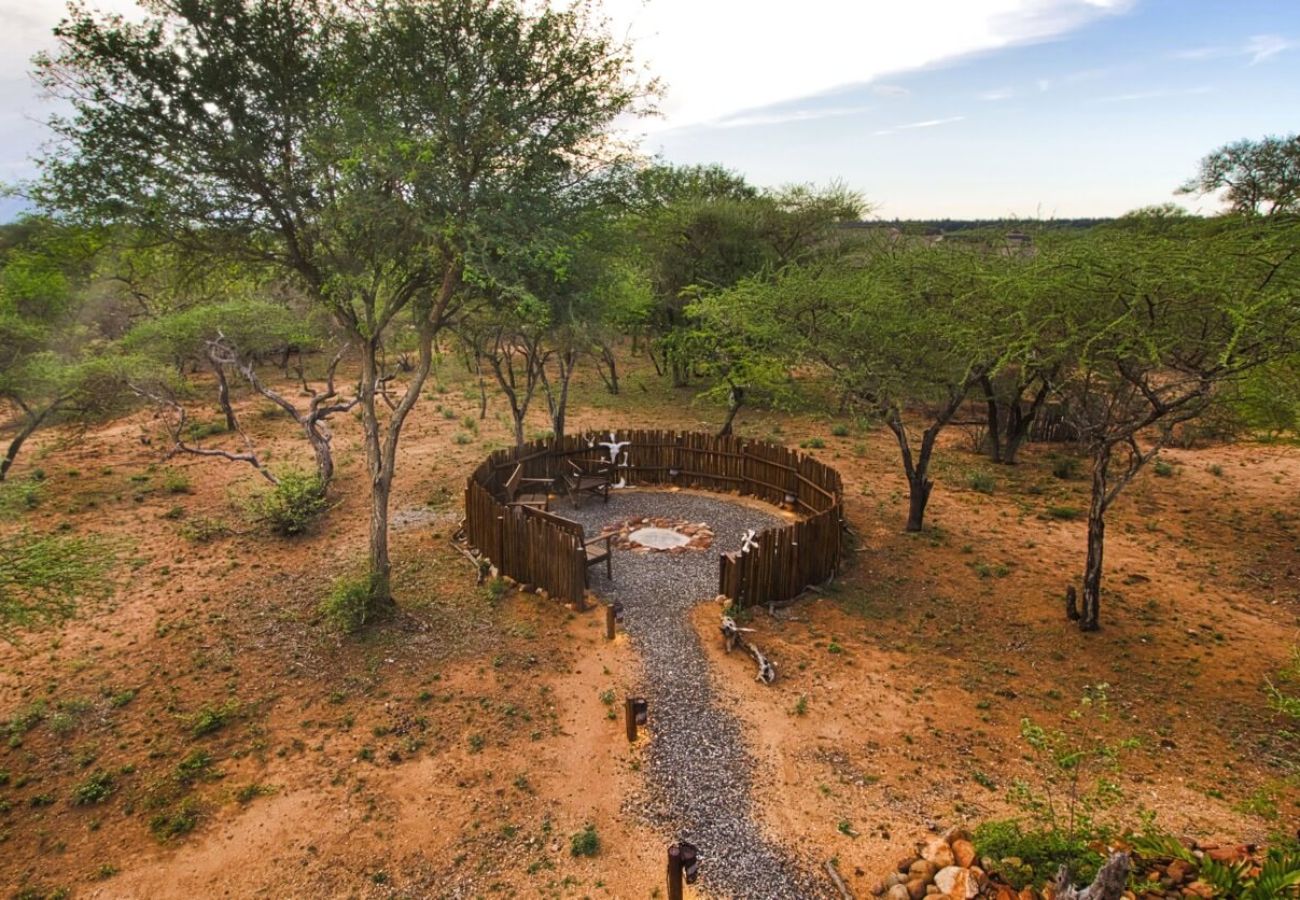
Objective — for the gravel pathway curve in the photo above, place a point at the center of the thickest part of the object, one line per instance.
(698, 770)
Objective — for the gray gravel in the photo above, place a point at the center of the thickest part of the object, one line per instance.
(697, 766)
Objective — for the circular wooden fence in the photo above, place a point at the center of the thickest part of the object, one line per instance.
(777, 565)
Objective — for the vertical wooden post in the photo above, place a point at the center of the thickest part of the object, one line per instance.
(629, 713)
(674, 872)
(609, 621)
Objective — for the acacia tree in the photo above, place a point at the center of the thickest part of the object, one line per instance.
(892, 327)
(47, 366)
(1255, 177)
(231, 336)
(372, 149)
(1164, 320)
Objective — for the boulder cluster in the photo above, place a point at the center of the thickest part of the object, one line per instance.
(947, 868)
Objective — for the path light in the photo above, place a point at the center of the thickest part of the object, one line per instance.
(673, 473)
(636, 712)
(789, 499)
(683, 860)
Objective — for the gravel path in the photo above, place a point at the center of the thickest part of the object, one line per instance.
(698, 770)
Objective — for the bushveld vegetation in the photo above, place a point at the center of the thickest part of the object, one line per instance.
(268, 214)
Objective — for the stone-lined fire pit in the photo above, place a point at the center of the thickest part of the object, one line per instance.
(652, 534)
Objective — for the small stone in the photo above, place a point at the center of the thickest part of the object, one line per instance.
(1005, 893)
(905, 863)
(957, 883)
(939, 853)
(1027, 893)
(1199, 888)
(893, 879)
(964, 852)
(878, 888)
(916, 888)
(922, 868)
(898, 892)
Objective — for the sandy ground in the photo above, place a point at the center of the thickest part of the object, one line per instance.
(455, 749)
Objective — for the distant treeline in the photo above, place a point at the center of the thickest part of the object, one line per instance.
(936, 226)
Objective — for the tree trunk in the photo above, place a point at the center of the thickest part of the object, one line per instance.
(1022, 421)
(917, 470)
(33, 421)
(607, 363)
(735, 400)
(1090, 614)
(223, 394)
(320, 447)
(994, 436)
(381, 567)
(919, 488)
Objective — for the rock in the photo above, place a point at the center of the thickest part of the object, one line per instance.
(957, 834)
(957, 883)
(916, 888)
(1228, 854)
(878, 888)
(1027, 893)
(1198, 888)
(898, 892)
(923, 869)
(1005, 893)
(939, 853)
(893, 879)
(906, 863)
(964, 852)
(931, 890)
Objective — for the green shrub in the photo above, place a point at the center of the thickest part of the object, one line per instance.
(211, 718)
(176, 482)
(839, 429)
(197, 431)
(293, 505)
(1163, 469)
(462, 438)
(94, 789)
(585, 842)
(982, 482)
(813, 444)
(1041, 852)
(167, 825)
(1064, 512)
(1065, 468)
(348, 605)
(203, 530)
(19, 496)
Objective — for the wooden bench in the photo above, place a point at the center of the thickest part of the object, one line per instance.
(580, 481)
(521, 491)
(597, 550)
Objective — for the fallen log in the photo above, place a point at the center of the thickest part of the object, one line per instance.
(732, 636)
(1110, 883)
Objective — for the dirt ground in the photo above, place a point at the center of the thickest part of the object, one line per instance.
(455, 749)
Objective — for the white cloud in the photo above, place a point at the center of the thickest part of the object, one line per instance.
(996, 94)
(1265, 46)
(1157, 94)
(724, 57)
(926, 123)
(795, 115)
(1259, 47)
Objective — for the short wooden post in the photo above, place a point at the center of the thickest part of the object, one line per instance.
(609, 621)
(674, 872)
(629, 713)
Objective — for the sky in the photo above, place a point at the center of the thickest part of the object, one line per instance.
(929, 108)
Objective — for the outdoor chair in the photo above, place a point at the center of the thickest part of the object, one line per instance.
(581, 481)
(533, 493)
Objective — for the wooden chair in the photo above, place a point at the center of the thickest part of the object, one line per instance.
(597, 550)
(580, 481)
(521, 491)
